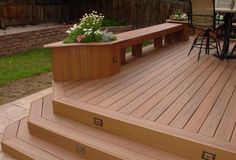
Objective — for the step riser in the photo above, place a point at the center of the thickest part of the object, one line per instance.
(155, 139)
(78, 148)
(14, 153)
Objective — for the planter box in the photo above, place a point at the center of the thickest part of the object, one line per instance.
(187, 29)
(86, 61)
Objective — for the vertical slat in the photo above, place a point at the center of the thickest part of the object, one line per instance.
(137, 50)
(140, 13)
(122, 56)
(158, 42)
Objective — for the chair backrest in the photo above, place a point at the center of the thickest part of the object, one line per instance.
(202, 13)
(223, 3)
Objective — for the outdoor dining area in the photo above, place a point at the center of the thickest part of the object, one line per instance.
(214, 19)
(174, 99)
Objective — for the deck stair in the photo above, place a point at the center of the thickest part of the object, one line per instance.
(44, 135)
(163, 106)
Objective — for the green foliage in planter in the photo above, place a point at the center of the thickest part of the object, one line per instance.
(73, 34)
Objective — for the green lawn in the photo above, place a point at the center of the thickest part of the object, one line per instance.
(24, 64)
(28, 64)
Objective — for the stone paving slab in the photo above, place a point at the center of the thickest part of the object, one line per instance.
(15, 111)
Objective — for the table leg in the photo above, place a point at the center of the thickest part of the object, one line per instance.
(228, 27)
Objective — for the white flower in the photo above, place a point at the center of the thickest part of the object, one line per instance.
(68, 31)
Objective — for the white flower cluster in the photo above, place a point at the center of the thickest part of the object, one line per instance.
(94, 16)
(98, 32)
(91, 21)
(88, 23)
(72, 28)
(179, 17)
(89, 30)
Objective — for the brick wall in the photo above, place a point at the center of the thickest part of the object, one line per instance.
(12, 43)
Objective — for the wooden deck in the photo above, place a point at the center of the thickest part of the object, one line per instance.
(169, 91)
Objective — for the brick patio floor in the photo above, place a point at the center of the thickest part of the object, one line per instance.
(16, 110)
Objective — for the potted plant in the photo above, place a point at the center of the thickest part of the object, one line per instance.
(179, 16)
(89, 30)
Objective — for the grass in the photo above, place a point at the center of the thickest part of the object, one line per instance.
(24, 64)
(27, 64)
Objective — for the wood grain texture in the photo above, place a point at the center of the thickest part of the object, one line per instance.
(137, 50)
(78, 63)
(84, 61)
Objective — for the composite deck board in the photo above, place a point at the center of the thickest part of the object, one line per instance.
(227, 125)
(215, 116)
(104, 137)
(120, 99)
(154, 77)
(24, 146)
(129, 70)
(101, 82)
(194, 76)
(128, 81)
(169, 88)
(23, 134)
(177, 106)
(188, 110)
(156, 97)
(233, 138)
(207, 104)
(118, 147)
(146, 96)
(160, 102)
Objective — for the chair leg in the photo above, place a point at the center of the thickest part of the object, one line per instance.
(232, 52)
(217, 48)
(217, 42)
(200, 51)
(208, 45)
(194, 42)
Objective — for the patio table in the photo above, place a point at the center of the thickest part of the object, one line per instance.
(227, 29)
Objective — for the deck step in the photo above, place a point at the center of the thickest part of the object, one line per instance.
(145, 132)
(20, 144)
(88, 142)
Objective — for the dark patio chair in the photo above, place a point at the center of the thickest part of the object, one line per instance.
(203, 18)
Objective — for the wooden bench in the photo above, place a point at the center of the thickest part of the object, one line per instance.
(167, 32)
(84, 61)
